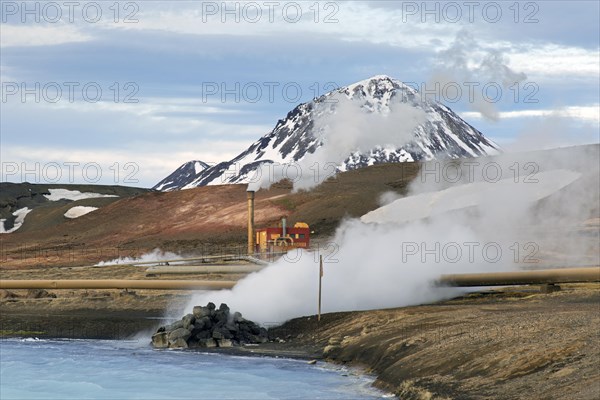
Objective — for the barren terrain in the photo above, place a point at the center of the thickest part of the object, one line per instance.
(506, 344)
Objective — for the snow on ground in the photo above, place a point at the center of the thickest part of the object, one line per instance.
(78, 211)
(21, 213)
(425, 205)
(58, 194)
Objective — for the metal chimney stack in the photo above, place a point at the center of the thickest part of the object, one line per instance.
(250, 194)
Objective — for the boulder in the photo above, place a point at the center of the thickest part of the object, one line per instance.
(179, 343)
(203, 335)
(220, 318)
(201, 312)
(224, 308)
(237, 317)
(225, 343)
(217, 334)
(188, 321)
(160, 340)
(207, 343)
(179, 333)
(231, 327)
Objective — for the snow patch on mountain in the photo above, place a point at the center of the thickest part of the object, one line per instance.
(20, 215)
(374, 121)
(74, 195)
(78, 211)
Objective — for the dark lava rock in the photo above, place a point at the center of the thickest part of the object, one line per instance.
(201, 312)
(188, 321)
(209, 327)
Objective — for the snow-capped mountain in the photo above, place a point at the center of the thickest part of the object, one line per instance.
(443, 134)
(183, 175)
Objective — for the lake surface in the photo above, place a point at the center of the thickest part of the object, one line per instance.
(104, 369)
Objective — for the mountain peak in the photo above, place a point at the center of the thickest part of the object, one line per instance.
(185, 171)
(378, 86)
(443, 133)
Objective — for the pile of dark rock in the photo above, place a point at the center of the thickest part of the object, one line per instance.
(209, 327)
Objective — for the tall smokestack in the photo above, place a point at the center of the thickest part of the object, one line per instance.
(250, 222)
(283, 227)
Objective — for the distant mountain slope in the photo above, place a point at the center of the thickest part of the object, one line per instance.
(213, 219)
(443, 134)
(182, 175)
(18, 199)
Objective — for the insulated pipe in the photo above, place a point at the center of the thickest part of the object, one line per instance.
(250, 194)
(529, 277)
(224, 257)
(114, 284)
(204, 269)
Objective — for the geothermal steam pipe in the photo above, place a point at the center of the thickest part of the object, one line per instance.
(204, 269)
(530, 277)
(115, 284)
(224, 257)
(250, 194)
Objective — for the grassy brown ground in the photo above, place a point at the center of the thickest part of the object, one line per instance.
(511, 345)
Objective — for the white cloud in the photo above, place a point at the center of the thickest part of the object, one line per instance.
(552, 60)
(155, 136)
(41, 35)
(588, 114)
(360, 22)
(128, 166)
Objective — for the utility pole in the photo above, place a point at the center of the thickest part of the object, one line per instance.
(250, 196)
(320, 279)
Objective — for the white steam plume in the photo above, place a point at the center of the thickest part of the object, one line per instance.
(392, 265)
(155, 255)
(344, 127)
(555, 131)
(465, 63)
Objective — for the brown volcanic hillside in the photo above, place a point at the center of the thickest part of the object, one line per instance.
(204, 220)
(212, 219)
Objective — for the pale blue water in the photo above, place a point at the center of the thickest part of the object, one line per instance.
(96, 369)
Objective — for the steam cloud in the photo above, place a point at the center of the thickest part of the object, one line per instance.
(382, 265)
(390, 265)
(466, 61)
(155, 255)
(343, 133)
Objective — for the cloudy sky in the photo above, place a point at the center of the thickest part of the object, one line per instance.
(126, 92)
